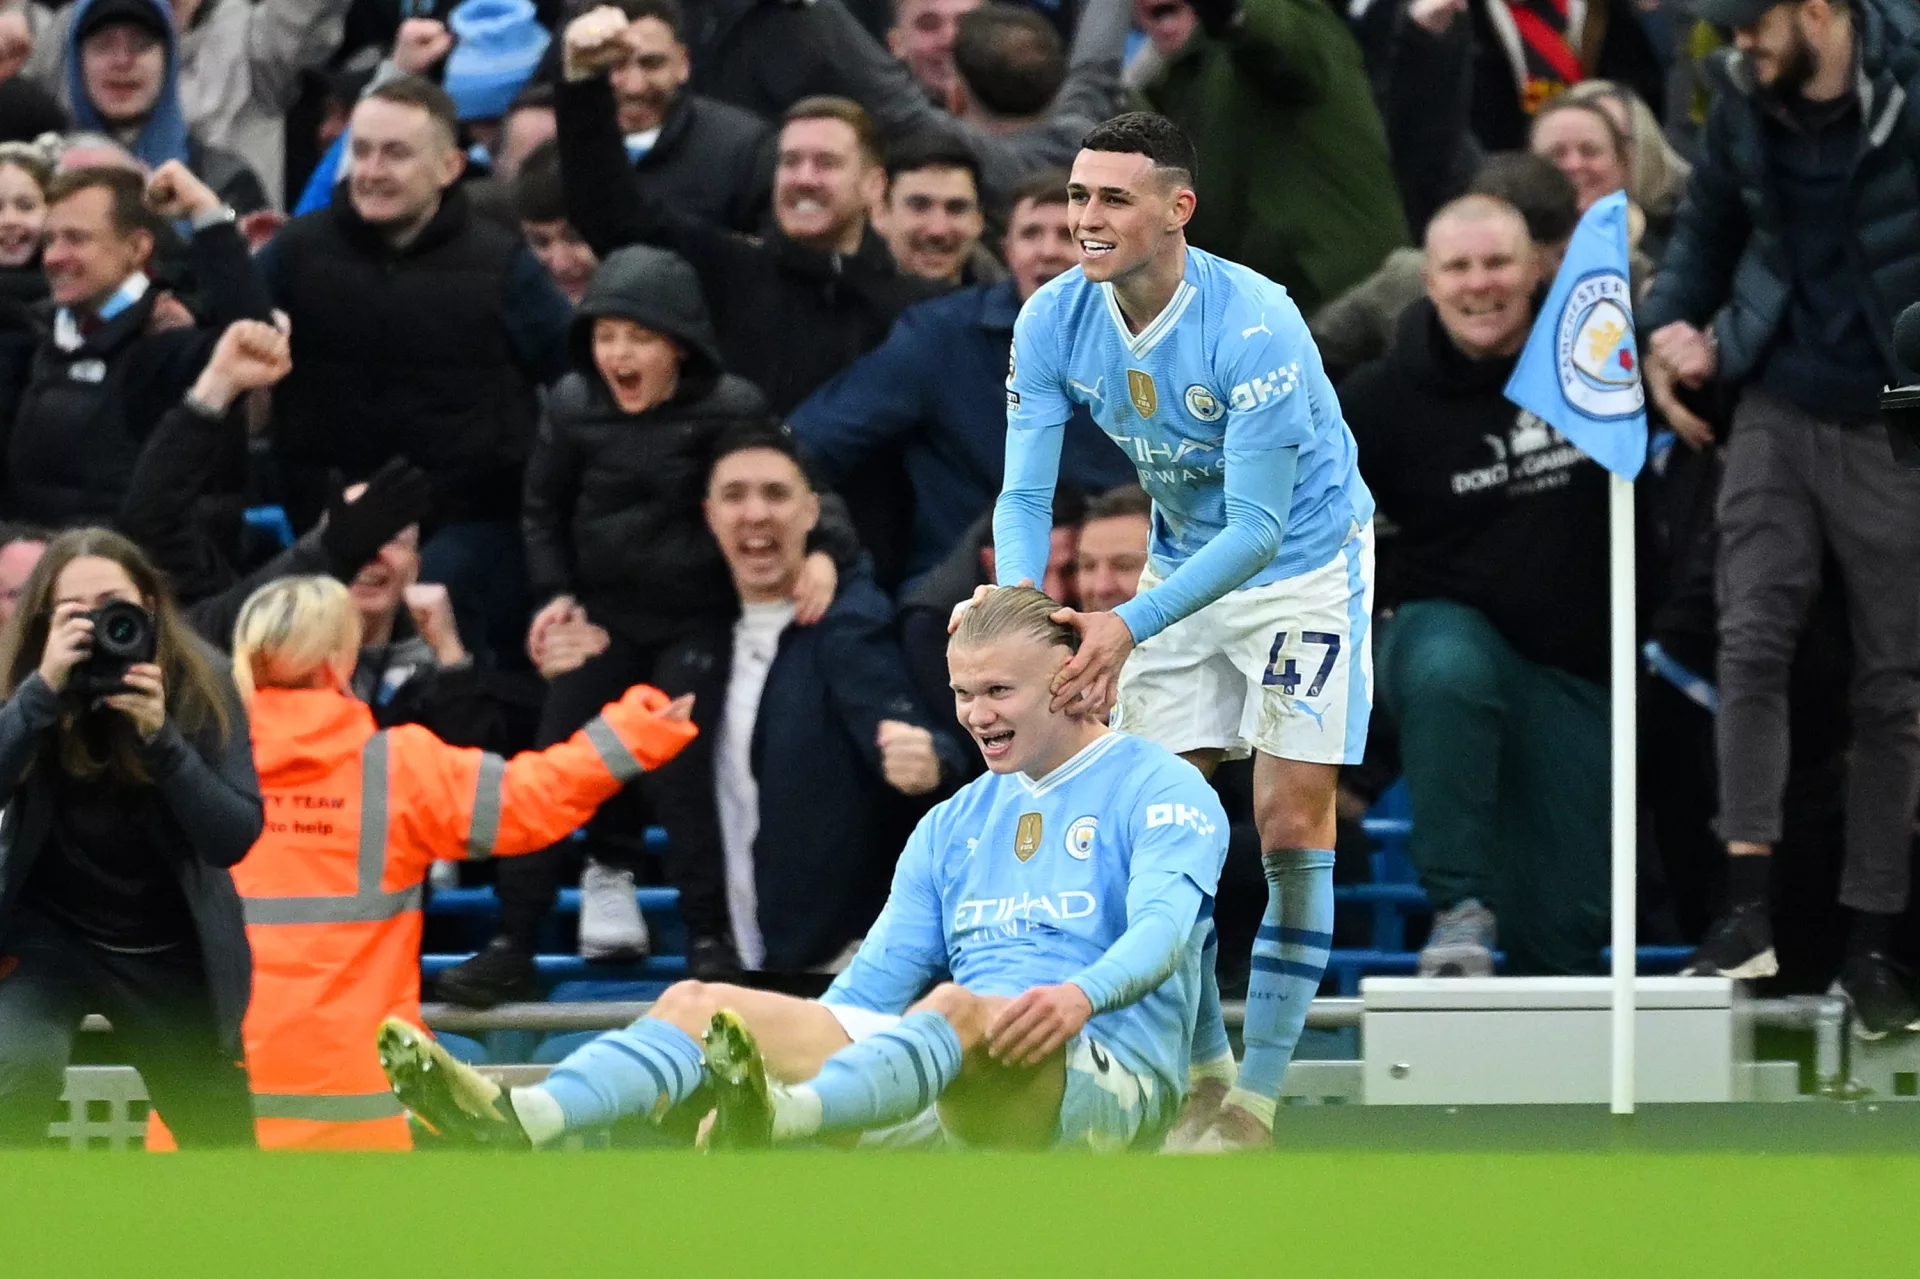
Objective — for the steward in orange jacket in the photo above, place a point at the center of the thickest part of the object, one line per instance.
(354, 819)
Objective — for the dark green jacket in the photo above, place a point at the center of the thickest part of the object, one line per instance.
(1727, 264)
(1294, 175)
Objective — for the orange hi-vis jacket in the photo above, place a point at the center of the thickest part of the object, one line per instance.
(333, 889)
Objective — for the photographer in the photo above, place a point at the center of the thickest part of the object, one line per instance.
(126, 768)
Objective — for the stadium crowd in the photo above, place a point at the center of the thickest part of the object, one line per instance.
(665, 342)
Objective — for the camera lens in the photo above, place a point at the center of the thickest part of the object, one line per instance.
(120, 631)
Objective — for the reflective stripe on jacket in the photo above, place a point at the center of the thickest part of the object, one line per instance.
(354, 819)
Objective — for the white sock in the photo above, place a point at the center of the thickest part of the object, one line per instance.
(796, 1113)
(1222, 1068)
(539, 1114)
(1253, 1103)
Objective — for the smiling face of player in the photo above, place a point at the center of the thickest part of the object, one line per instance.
(1125, 214)
(1002, 689)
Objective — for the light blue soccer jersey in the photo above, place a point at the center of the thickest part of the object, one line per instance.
(1015, 883)
(1226, 376)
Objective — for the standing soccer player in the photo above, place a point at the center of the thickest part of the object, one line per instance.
(1250, 629)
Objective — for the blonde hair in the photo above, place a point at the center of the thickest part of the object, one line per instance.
(290, 631)
(1656, 173)
(1011, 611)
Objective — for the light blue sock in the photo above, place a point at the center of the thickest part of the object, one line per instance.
(888, 1077)
(1289, 958)
(643, 1070)
(1210, 1042)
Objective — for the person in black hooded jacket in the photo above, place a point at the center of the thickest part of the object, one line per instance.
(1493, 660)
(615, 537)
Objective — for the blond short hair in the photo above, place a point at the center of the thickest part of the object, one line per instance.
(290, 631)
(1014, 612)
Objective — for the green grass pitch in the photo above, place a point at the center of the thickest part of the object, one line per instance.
(1623, 1214)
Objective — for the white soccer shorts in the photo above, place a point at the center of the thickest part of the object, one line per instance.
(1106, 1107)
(1285, 669)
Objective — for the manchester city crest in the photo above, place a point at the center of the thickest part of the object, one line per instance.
(1598, 363)
(1080, 838)
(1204, 404)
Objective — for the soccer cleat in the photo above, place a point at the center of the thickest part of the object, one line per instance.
(1876, 988)
(1740, 945)
(1196, 1116)
(610, 924)
(1233, 1131)
(1460, 943)
(501, 973)
(449, 1096)
(743, 1101)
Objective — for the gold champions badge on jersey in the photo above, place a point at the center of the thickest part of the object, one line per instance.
(1140, 390)
(1026, 836)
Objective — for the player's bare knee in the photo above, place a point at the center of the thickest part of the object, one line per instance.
(690, 1005)
(964, 1010)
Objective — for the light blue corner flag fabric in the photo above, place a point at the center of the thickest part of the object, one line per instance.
(1580, 371)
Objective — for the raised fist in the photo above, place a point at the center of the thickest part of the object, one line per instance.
(595, 42)
(174, 193)
(249, 355)
(420, 43)
(907, 757)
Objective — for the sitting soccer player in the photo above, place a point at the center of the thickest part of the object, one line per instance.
(1067, 893)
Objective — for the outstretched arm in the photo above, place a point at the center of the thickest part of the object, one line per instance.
(478, 805)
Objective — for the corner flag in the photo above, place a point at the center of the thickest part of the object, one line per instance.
(1580, 371)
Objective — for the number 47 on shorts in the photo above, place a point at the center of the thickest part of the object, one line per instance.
(1287, 675)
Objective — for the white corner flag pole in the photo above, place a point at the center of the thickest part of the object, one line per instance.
(1626, 796)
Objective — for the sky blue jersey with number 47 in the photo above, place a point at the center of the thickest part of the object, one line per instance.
(1224, 408)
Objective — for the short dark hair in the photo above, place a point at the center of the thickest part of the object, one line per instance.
(418, 91)
(746, 435)
(826, 106)
(126, 191)
(1150, 134)
(1049, 186)
(931, 151)
(1124, 499)
(539, 192)
(1010, 58)
(667, 11)
(12, 531)
(1530, 183)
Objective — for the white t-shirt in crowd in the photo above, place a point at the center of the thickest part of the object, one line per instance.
(756, 638)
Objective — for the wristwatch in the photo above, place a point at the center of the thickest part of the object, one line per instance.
(214, 217)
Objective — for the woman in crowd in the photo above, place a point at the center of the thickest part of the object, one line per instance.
(24, 172)
(1605, 140)
(355, 818)
(130, 790)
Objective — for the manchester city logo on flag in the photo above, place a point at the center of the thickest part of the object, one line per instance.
(1598, 363)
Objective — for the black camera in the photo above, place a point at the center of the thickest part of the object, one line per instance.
(123, 636)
